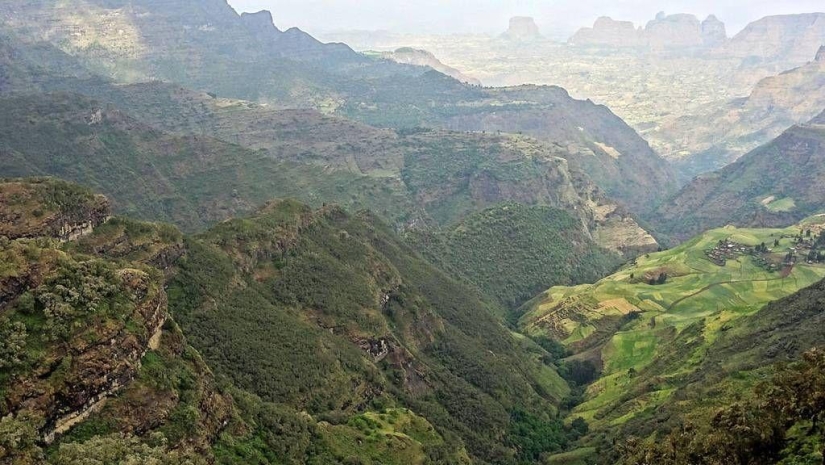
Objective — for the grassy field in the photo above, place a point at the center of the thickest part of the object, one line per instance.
(648, 337)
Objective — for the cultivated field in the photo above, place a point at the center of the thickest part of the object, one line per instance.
(625, 324)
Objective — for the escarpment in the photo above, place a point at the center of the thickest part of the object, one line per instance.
(79, 320)
(49, 208)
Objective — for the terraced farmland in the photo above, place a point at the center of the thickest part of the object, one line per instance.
(647, 338)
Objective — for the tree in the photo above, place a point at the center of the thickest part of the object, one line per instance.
(748, 433)
(12, 343)
(662, 278)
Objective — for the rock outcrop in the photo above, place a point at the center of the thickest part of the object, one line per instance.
(77, 322)
(664, 32)
(788, 39)
(260, 23)
(411, 56)
(713, 32)
(608, 32)
(293, 43)
(49, 208)
(820, 55)
(522, 28)
(673, 31)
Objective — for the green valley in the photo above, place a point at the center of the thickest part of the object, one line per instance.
(650, 326)
(223, 243)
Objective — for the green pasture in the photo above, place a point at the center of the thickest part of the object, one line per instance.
(698, 291)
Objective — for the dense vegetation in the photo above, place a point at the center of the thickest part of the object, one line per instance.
(512, 252)
(781, 423)
(281, 302)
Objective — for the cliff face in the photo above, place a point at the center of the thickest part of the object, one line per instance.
(608, 32)
(673, 31)
(713, 32)
(522, 28)
(76, 325)
(410, 56)
(49, 208)
(790, 39)
(720, 137)
(664, 32)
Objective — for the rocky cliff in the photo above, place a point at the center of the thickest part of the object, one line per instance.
(789, 40)
(663, 32)
(522, 28)
(411, 56)
(608, 32)
(76, 327)
(49, 208)
(717, 138)
(713, 32)
(673, 31)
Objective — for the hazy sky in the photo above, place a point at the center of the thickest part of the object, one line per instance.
(555, 17)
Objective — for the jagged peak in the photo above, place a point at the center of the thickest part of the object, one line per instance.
(820, 55)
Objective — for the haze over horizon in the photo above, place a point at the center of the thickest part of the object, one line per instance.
(557, 19)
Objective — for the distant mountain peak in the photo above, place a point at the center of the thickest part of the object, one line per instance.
(260, 22)
(522, 28)
(679, 30)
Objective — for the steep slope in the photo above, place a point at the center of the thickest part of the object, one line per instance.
(332, 314)
(49, 208)
(496, 251)
(423, 180)
(775, 184)
(244, 58)
(94, 369)
(668, 323)
(789, 40)
(705, 142)
(79, 333)
(411, 56)
(597, 142)
(191, 181)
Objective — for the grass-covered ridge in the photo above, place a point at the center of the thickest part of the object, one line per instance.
(774, 185)
(651, 325)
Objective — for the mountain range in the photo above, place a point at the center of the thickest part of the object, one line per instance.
(710, 140)
(220, 52)
(224, 243)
